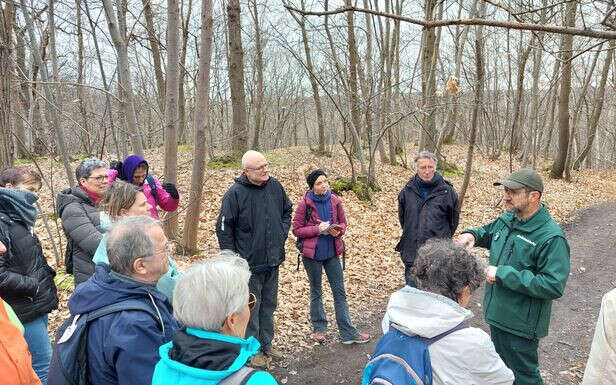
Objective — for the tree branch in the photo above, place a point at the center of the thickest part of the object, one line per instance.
(563, 30)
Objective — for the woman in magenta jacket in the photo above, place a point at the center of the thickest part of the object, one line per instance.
(319, 224)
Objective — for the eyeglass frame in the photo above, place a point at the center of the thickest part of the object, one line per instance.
(99, 179)
(260, 168)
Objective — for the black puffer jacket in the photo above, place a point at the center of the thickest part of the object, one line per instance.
(26, 280)
(82, 225)
(254, 222)
(436, 217)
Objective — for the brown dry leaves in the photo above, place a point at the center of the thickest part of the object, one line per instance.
(373, 267)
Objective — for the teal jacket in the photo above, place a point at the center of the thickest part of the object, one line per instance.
(532, 259)
(165, 284)
(171, 372)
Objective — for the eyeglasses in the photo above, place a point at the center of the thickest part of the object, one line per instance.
(100, 178)
(252, 301)
(168, 250)
(260, 168)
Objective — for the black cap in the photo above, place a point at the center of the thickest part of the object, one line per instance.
(313, 176)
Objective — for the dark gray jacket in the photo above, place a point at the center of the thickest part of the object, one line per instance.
(436, 217)
(254, 222)
(82, 226)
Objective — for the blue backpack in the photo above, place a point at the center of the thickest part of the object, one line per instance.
(400, 359)
(69, 360)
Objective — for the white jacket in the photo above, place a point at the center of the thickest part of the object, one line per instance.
(601, 365)
(466, 356)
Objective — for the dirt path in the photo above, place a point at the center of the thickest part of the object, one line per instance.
(563, 352)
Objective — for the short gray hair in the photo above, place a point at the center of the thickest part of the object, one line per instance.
(425, 154)
(211, 291)
(445, 267)
(129, 240)
(85, 168)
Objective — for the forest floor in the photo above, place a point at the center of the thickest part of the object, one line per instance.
(374, 269)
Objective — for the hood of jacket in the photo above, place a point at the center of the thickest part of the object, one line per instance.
(103, 289)
(129, 165)
(70, 195)
(218, 355)
(417, 312)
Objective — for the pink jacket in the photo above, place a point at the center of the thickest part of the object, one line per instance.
(165, 201)
(308, 231)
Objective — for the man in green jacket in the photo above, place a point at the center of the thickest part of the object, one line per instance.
(529, 267)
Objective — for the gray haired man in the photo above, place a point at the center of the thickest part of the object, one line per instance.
(428, 207)
(122, 346)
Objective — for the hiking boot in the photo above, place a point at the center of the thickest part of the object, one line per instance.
(274, 354)
(319, 337)
(361, 338)
(259, 361)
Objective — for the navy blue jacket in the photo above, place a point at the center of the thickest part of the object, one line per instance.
(123, 346)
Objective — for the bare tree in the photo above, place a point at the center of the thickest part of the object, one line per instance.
(566, 47)
(239, 133)
(7, 17)
(191, 223)
(171, 106)
(124, 76)
(51, 109)
(155, 47)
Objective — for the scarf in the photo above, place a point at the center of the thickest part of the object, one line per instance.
(18, 205)
(94, 196)
(425, 188)
(325, 244)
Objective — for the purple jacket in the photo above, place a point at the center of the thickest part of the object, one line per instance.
(308, 231)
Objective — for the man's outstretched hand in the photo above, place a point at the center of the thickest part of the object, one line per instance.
(466, 239)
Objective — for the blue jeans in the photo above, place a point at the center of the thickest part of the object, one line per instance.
(35, 333)
(261, 324)
(333, 270)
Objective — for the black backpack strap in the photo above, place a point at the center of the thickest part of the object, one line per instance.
(461, 325)
(150, 179)
(240, 377)
(129, 304)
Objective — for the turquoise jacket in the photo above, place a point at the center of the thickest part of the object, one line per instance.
(532, 260)
(170, 372)
(165, 284)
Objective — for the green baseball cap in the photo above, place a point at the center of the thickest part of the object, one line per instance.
(524, 177)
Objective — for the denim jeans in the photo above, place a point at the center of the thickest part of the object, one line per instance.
(35, 333)
(408, 278)
(261, 324)
(333, 270)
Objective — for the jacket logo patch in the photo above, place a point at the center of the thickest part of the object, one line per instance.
(496, 236)
(526, 240)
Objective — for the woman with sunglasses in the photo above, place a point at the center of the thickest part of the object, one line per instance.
(81, 222)
(212, 301)
(319, 224)
(125, 199)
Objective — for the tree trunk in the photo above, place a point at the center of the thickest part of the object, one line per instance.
(193, 210)
(239, 133)
(428, 135)
(259, 67)
(80, 89)
(478, 102)
(7, 17)
(21, 97)
(154, 46)
(517, 108)
(125, 78)
(171, 107)
(598, 106)
(51, 111)
(566, 47)
(182, 98)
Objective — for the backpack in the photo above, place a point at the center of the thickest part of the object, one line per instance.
(400, 359)
(240, 377)
(69, 360)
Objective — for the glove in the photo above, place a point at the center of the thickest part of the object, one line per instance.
(170, 188)
(116, 165)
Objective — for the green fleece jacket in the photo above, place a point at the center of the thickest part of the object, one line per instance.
(532, 259)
